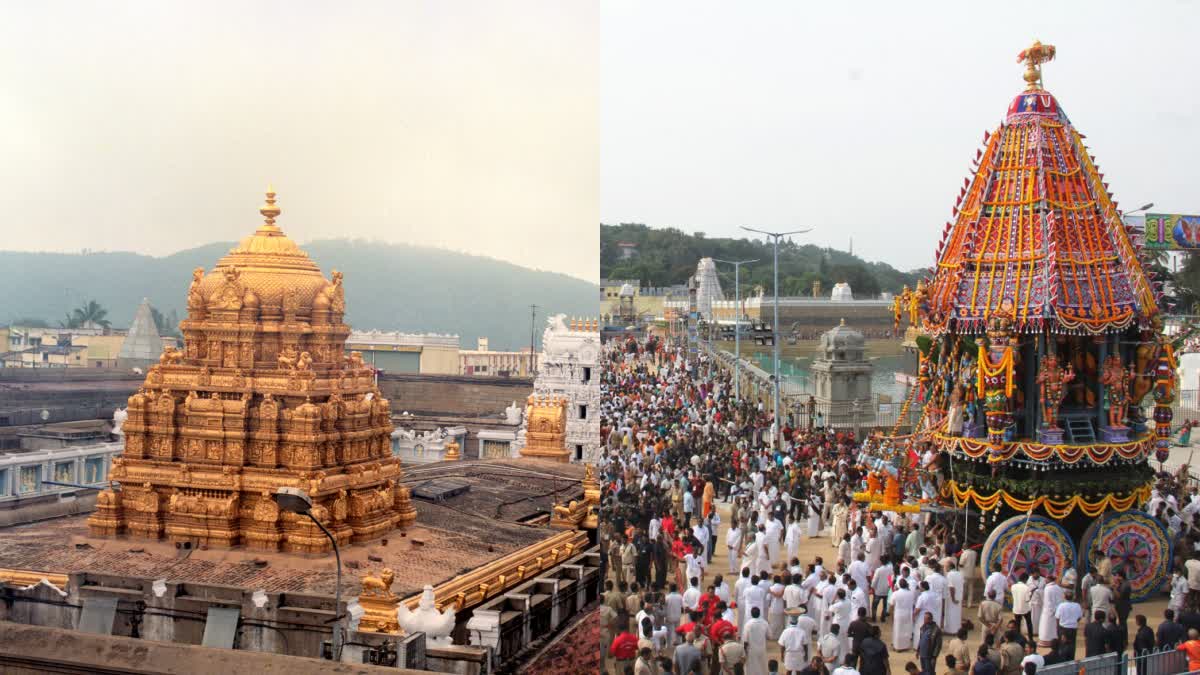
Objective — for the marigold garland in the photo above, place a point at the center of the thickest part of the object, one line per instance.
(1056, 508)
(1005, 368)
(1098, 453)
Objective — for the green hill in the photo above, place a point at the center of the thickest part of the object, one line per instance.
(388, 287)
(667, 256)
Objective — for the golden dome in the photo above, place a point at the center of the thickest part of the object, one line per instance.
(267, 264)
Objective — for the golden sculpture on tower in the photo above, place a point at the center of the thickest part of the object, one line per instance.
(262, 396)
(546, 437)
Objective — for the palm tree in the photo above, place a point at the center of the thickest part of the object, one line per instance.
(88, 315)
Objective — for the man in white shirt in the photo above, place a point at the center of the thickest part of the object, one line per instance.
(858, 570)
(673, 603)
(795, 641)
(755, 596)
(733, 540)
(1179, 591)
(1193, 579)
(1031, 656)
(1067, 616)
(880, 588)
(700, 531)
(997, 582)
(830, 646)
(858, 598)
(691, 597)
(902, 603)
(721, 588)
(1052, 597)
(952, 620)
(857, 545)
(966, 563)
(841, 613)
(754, 637)
(847, 668)
(739, 594)
(793, 594)
(1100, 597)
(928, 602)
(1021, 594)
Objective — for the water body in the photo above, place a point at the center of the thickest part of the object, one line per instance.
(797, 370)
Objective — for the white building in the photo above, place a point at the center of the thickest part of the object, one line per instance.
(569, 366)
(486, 362)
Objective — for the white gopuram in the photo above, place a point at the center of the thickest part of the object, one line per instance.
(842, 293)
(570, 366)
(708, 287)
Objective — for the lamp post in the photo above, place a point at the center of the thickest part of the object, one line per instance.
(737, 323)
(297, 501)
(775, 329)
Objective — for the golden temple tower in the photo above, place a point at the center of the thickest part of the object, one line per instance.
(261, 396)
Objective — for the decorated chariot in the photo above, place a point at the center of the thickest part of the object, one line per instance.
(1040, 350)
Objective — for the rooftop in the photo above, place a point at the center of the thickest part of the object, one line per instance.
(460, 534)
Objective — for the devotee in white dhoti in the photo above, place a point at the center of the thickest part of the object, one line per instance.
(754, 635)
(902, 603)
(795, 534)
(1052, 597)
(795, 640)
(954, 598)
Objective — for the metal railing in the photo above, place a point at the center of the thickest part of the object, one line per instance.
(1169, 661)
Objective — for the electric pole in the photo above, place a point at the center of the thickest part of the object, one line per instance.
(532, 320)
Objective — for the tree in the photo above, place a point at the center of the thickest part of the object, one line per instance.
(165, 324)
(89, 315)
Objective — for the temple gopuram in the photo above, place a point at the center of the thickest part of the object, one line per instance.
(1040, 348)
(261, 396)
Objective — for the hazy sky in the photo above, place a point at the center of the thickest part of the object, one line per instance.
(155, 126)
(860, 119)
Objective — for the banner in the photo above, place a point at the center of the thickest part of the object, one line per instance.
(1172, 231)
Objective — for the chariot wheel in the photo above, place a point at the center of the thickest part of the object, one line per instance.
(1137, 544)
(1024, 543)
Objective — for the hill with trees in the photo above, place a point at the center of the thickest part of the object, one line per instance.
(388, 287)
(667, 256)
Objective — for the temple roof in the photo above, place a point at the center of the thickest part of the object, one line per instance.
(269, 264)
(1037, 224)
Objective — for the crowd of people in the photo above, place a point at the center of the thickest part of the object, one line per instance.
(690, 473)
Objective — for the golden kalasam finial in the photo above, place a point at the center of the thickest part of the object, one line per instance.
(1033, 57)
(270, 210)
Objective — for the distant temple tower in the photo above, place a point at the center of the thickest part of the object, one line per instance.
(260, 397)
(142, 344)
(708, 287)
(627, 309)
(841, 293)
(842, 375)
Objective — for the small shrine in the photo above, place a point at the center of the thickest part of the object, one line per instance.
(1040, 346)
(261, 396)
(842, 377)
(546, 428)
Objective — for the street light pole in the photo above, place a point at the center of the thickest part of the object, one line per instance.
(775, 330)
(297, 501)
(737, 323)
